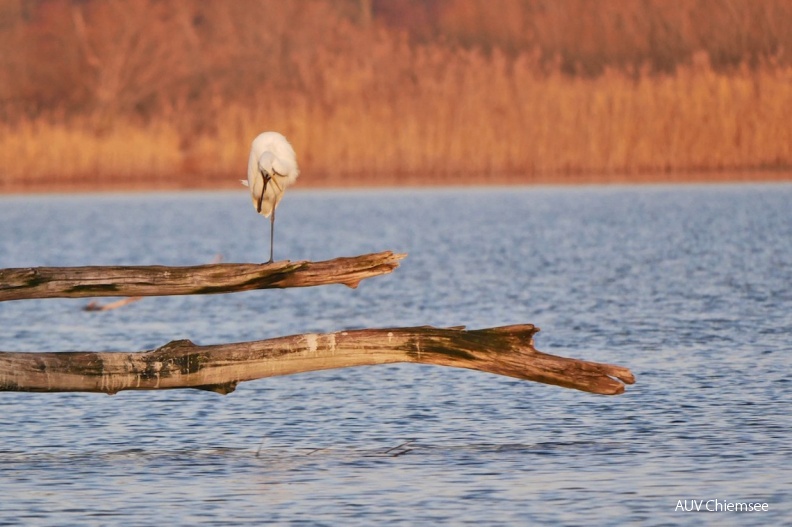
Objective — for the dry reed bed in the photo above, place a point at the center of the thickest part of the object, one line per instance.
(369, 93)
(446, 115)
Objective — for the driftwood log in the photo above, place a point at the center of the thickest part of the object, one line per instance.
(159, 280)
(181, 364)
(505, 350)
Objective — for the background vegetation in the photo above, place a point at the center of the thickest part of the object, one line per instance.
(147, 93)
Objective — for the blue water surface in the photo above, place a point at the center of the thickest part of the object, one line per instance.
(689, 286)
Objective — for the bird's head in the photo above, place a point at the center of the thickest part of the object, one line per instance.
(266, 162)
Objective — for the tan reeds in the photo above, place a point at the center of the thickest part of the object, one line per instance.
(52, 157)
(378, 107)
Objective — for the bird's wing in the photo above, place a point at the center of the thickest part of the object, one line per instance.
(285, 166)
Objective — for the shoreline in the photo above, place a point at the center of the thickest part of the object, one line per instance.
(158, 184)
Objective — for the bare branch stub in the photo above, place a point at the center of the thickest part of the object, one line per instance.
(182, 364)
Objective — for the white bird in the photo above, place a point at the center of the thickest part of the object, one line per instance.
(271, 168)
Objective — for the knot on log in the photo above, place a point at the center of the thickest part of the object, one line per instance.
(174, 346)
(516, 334)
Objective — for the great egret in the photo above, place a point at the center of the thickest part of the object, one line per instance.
(271, 168)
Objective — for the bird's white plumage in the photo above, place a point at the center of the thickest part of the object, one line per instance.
(270, 154)
(272, 167)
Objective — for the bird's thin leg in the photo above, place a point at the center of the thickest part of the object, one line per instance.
(272, 234)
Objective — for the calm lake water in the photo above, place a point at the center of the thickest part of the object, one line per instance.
(690, 287)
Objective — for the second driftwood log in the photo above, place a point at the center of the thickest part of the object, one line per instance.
(505, 350)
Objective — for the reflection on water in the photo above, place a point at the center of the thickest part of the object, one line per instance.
(687, 286)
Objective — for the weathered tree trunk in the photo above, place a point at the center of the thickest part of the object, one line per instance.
(181, 364)
(158, 280)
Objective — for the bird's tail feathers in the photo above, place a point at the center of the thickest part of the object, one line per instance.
(244, 182)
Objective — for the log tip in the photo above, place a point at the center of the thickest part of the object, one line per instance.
(625, 376)
(615, 380)
(614, 388)
(605, 379)
(617, 373)
(388, 260)
(382, 263)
